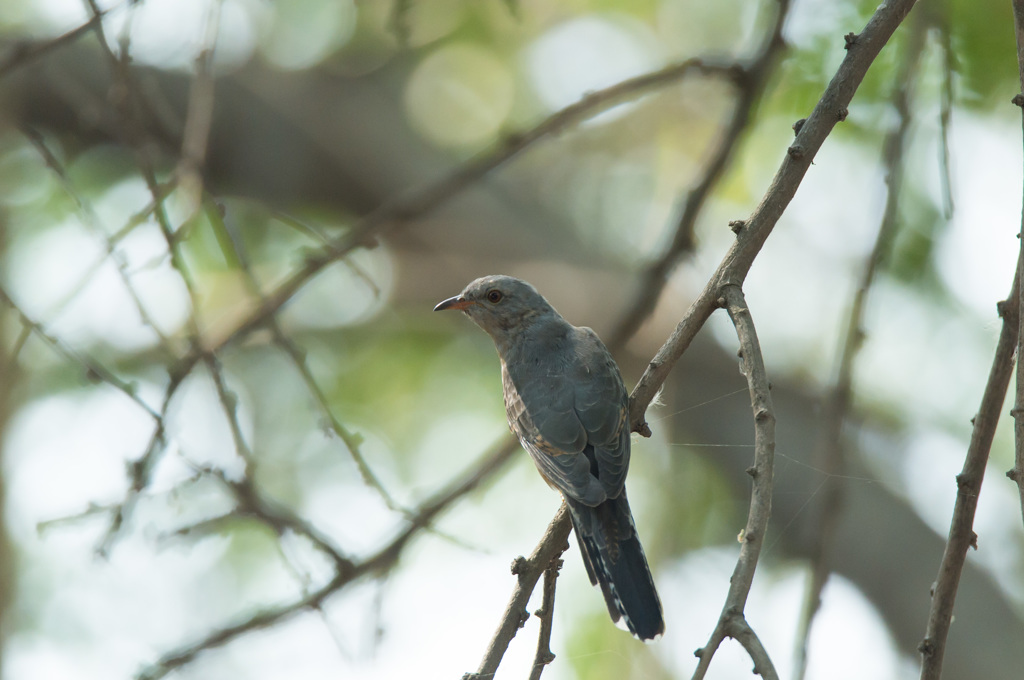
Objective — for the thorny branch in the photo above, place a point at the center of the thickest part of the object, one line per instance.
(527, 572)
(546, 614)
(751, 234)
(1017, 473)
(732, 622)
(831, 458)
(968, 487)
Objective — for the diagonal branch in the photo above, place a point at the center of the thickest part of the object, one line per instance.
(92, 221)
(297, 356)
(378, 563)
(94, 371)
(422, 200)
(527, 572)
(751, 234)
(968, 487)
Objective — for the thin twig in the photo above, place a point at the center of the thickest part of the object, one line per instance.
(968, 487)
(380, 562)
(131, 106)
(732, 622)
(527, 572)
(351, 440)
(93, 369)
(251, 502)
(92, 221)
(751, 234)
(141, 471)
(546, 614)
(422, 200)
(830, 454)
(1017, 473)
(941, 21)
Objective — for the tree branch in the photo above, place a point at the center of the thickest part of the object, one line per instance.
(546, 614)
(968, 487)
(92, 369)
(422, 200)
(297, 356)
(751, 234)
(527, 572)
(377, 563)
(732, 623)
(1017, 473)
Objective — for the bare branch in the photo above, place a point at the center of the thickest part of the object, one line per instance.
(546, 614)
(968, 487)
(351, 440)
(378, 563)
(751, 235)
(92, 221)
(1017, 473)
(141, 471)
(93, 369)
(830, 454)
(527, 572)
(420, 201)
(732, 619)
(131, 107)
(941, 21)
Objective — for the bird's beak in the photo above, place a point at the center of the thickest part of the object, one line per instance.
(457, 302)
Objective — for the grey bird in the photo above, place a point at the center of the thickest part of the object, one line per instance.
(565, 400)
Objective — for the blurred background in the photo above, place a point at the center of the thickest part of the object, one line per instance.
(168, 165)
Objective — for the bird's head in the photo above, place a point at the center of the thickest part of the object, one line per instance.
(501, 305)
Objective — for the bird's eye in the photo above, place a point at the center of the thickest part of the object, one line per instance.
(494, 296)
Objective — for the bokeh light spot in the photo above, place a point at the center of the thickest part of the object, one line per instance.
(459, 95)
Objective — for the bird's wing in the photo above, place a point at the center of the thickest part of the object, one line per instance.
(602, 407)
(551, 433)
(572, 419)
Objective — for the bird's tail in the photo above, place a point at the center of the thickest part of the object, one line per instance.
(615, 561)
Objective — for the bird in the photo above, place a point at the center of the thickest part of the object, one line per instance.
(567, 404)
